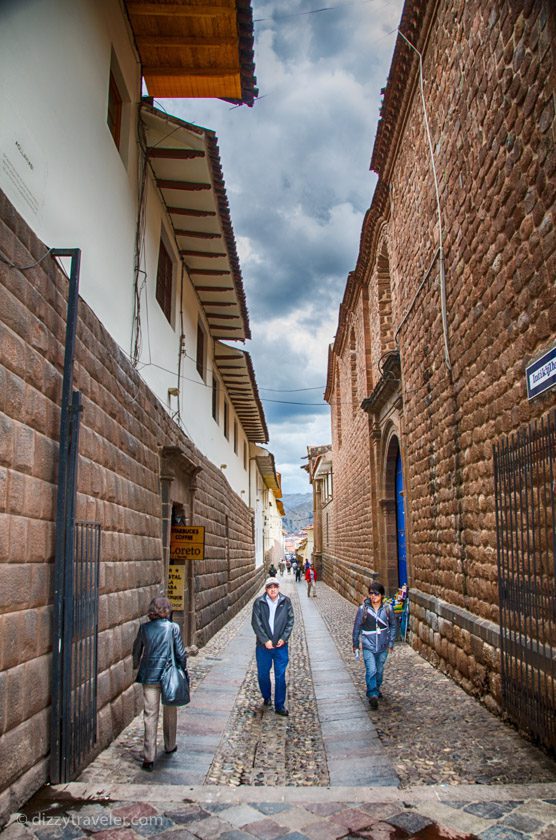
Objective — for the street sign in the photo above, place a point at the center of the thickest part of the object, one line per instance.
(541, 374)
(187, 542)
(176, 585)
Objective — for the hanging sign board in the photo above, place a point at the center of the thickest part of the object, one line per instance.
(187, 542)
(176, 585)
(541, 374)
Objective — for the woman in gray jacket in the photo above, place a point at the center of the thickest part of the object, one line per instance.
(152, 649)
(375, 625)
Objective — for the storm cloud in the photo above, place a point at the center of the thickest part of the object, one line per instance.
(297, 176)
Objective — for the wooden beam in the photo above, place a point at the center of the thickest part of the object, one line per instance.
(178, 42)
(209, 272)
(205, 254)
(174, 154)
(188, 211)
(184, 70)
(177, 9)
(222, 317)
(216, 302)
(198, 234)
(190, 186)
(214, 289)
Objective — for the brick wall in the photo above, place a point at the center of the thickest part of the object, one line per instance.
(490, 75)
(123, 427)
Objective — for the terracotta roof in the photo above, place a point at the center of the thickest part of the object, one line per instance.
(185, 162)
(196, 48)
(267, 468)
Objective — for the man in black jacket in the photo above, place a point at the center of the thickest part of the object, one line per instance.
(272, 621)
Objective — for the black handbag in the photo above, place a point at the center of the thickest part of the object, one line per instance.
(174, 683)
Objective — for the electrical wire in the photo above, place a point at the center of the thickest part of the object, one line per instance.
(314, 11)
(24, 267)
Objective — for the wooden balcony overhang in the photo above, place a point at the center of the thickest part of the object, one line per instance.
(196, 48)
(192, 187)
(236, 369)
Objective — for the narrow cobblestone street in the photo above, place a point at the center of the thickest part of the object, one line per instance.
(430, 762)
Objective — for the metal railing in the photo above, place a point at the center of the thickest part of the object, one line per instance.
(524, 476)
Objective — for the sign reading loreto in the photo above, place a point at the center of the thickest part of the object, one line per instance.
(176, 585)
(187, 542)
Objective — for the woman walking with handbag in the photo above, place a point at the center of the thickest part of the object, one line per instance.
(159, 653)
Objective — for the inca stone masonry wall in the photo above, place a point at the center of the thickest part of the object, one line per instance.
(122, 428)
(489, 73)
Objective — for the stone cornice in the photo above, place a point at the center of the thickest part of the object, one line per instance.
(376, 215)
(415, 24)
(387, 385)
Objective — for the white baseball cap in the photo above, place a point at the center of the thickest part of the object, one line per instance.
(269, 581)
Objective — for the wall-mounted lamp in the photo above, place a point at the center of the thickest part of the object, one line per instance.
(223, 466)
(173, 392)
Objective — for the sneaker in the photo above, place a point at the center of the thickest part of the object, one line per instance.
(267, 701)
(282, 712)
(373, 702)
(148, 766)
(169, 752)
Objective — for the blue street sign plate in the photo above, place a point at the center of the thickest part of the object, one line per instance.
(541, 375)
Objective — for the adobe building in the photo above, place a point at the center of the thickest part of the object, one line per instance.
(445, 350)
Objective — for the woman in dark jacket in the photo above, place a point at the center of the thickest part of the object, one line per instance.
(152, 649)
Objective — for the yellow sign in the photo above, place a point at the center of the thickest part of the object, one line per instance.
(187, 542)
(176, 585)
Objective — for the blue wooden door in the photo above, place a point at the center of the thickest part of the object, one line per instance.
(400, 524)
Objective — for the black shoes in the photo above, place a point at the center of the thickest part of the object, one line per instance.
(267, 701)
(282, 712)
(373, 702)
(169, 752)
(148, 766)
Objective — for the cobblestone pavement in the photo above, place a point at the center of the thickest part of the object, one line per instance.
(261, 748)
(432, 731)
(463, 772)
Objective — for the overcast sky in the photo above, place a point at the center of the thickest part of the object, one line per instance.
(296, 167)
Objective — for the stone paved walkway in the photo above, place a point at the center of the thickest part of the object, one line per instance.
(430, 763)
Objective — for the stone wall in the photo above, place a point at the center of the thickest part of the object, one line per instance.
(123, 427)
(352, 536)
(490, 74)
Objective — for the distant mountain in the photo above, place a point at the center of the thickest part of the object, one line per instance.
(299, 511)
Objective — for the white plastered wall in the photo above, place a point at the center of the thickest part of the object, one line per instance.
(61, 169)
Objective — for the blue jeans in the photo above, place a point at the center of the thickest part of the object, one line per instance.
(265, 659)
(374, 670)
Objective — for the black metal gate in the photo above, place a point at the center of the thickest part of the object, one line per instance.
(79, 714)
(76, 581)
(524, 476)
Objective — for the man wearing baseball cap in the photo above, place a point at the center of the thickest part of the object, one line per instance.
(272, 620)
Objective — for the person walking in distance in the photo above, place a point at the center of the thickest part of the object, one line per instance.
(311, 578)
(152, 649)
(272, 620)
(375, 625)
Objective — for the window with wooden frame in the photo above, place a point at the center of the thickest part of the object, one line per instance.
(236, 436)
(114, 116)
(201, 350)
(215, 398)
(244, 455)
(164, 281)
(226, 420)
